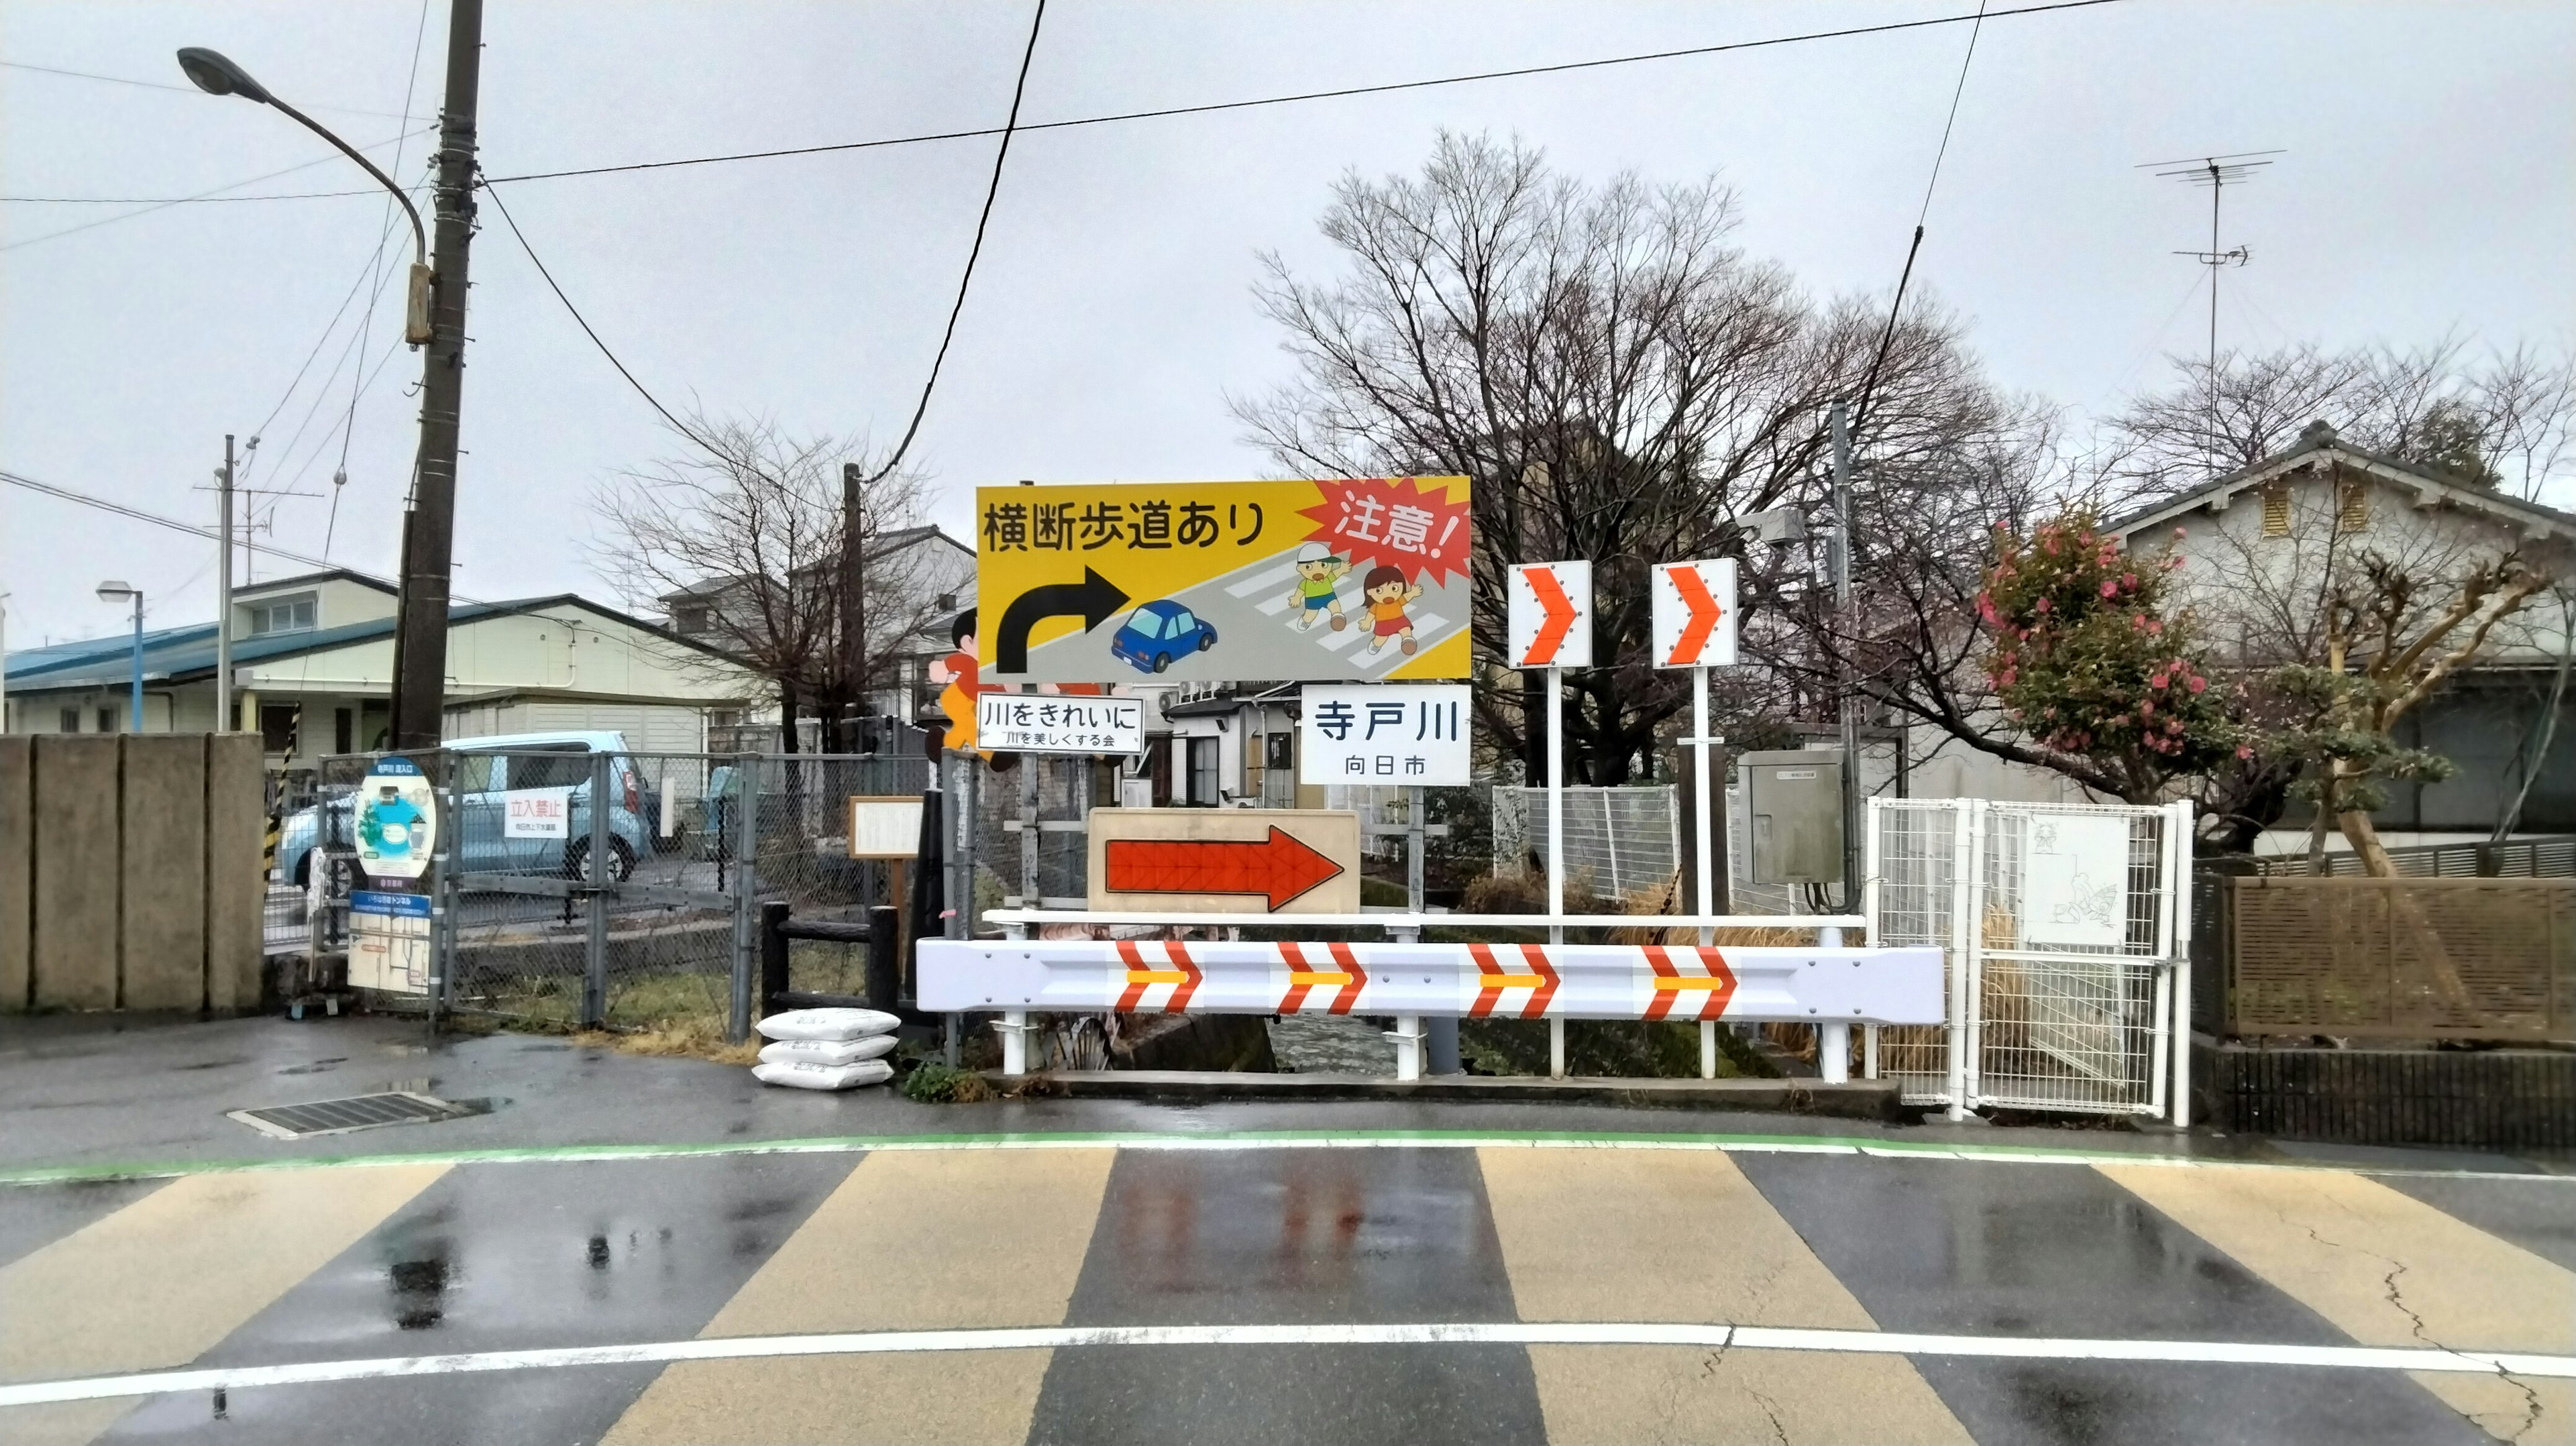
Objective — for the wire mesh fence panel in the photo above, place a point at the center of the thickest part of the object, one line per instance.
(1620, 843)
(1915, 843)
(2071, 957)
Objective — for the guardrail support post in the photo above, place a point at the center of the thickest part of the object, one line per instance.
(1015, 1041)
(1708, 1049)
(1833, 1053)
(1556, 1049)
(1408, 1046)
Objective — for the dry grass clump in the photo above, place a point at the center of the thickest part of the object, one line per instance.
(675, 1039)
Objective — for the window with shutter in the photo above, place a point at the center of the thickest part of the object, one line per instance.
(2352, 509)
(2276, 510)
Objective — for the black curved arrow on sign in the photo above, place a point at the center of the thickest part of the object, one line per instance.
(1095, 600)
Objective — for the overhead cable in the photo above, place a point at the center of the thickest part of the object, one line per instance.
(1312, 95)
(992, 188)
(1896, 308)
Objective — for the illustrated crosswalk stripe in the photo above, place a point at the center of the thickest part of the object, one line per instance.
(910, 1241)
(2389, 1270)
(163, 1280)
(1687, 1238)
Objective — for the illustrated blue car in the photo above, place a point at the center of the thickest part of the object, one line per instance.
(1158, 632)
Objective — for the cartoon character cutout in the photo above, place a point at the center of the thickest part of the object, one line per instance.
(1318, 570)
(963, 675)
(1387, 594)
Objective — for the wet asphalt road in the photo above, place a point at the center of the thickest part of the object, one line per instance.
(722, 1239)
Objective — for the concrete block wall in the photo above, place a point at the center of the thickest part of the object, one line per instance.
(130, 872)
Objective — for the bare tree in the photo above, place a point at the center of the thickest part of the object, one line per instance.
(1617, 378)
(2500, 421)
(748, 523)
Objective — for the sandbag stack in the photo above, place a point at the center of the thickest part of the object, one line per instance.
(826, 1049)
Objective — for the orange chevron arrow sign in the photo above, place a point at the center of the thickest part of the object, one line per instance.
(1551, 615)
(1694, 613)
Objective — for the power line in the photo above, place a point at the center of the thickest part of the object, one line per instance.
(181, 200)
(583, 322)
(203, 195)
(1896, 308)
(164, 85)
(992, 189)
(156, 519)
(208, 534)
(1312, 95)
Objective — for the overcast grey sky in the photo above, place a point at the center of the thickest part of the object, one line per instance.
(2430, 185)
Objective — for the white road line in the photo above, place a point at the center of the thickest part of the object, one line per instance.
(1395, 1140)
(1575, 1333)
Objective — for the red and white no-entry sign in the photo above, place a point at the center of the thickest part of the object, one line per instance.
(1694, 613)
(1551, 615)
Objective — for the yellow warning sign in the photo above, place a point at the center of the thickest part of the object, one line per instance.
(1342, 580)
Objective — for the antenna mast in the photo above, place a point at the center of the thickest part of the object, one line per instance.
(2217, 173)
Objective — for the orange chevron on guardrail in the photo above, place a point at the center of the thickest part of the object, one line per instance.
(1184, 977)
(1346, 978)
(1671, 983)
(1492, 979)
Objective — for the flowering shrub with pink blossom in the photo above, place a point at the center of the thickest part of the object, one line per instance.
(2086, 659)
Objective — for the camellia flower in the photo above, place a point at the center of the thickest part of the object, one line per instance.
(2200, 685)
(2109, 588)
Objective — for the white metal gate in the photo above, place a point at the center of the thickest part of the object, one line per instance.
(2067, 931)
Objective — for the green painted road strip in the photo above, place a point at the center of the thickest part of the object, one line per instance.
(1231, 1140)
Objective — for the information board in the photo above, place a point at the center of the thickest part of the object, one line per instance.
(1393, 734)
(1344, 580)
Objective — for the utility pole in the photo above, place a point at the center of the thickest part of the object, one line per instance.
(224, 719)
(1847, 706)
(429, 525)
(854, 605)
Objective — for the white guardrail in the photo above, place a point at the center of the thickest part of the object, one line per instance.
(1822, 985)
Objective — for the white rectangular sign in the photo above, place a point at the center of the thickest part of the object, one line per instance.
(536, 813)
(885, 828)
(389, 942)
(1030, 723)
(1694, 613)
(2075, 881)
(1401, 733)
(1551, 615)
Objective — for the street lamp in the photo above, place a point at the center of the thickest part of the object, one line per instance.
(109, 592)
(216, 75)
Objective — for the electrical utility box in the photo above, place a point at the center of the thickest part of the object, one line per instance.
(1794, 801)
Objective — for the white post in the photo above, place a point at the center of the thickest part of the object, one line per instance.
(1870, 930)
(1833, 1037)
(1556, 847)
(1955, 1036)
(2178, 839)
(1408, 1046)
(1707, 864)
(1556, 802)
(1015, 1041)
(1979, 820)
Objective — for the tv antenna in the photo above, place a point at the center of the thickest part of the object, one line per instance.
(2217, 173)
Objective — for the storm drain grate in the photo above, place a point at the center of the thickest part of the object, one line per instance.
(358, 1112)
